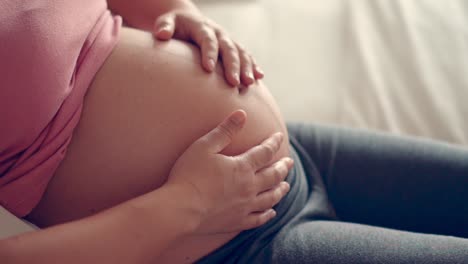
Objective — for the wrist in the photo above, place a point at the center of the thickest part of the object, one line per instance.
(186, 5)
(182, 207)
(142, 14)
(188, 200)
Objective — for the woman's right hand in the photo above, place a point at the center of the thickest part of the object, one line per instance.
(234, 193)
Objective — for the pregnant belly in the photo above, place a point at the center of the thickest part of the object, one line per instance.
(147, 104)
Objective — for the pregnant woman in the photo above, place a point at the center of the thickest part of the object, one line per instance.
(141, 179)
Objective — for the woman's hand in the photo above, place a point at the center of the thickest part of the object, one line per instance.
(235, 193)
(191, 25)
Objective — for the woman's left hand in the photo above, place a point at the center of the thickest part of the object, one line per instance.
(191, 25)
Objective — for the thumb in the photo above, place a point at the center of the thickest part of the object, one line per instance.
(221, 136)
(164, 27)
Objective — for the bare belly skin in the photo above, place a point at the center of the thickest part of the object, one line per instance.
(147, 104)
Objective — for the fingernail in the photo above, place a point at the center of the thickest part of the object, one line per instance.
(164, 27)
(272, 213)
(237, 118)
(279, 135)
(289, 161)
(236, 78)
(211, 64)
(285, 187)
(259, 70)
(249, 75)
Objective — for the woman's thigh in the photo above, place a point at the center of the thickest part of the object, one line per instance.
(398, 182)
(339, 242)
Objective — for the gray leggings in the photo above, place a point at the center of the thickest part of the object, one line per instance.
(364, 198)
(377, 199)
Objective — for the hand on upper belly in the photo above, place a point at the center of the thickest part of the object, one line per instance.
(213, 41)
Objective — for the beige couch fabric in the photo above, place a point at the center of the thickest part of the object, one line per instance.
(10, 225)
(394, 65)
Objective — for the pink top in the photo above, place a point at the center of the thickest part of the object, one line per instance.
(50, 51)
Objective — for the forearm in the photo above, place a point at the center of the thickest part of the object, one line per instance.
(134, 232)
(142, 13)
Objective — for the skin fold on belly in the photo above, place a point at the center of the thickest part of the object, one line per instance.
(147, 104)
